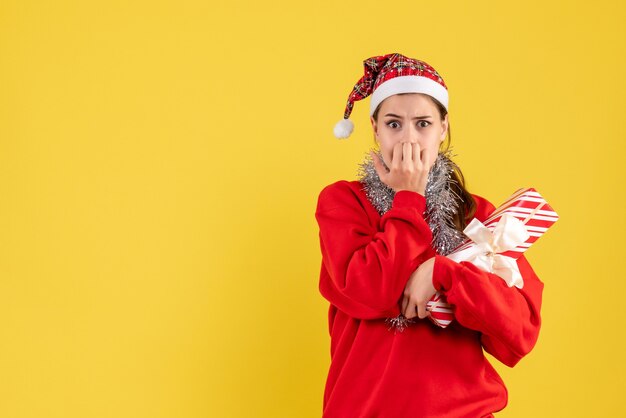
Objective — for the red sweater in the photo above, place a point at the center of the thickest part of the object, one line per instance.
(424, 371)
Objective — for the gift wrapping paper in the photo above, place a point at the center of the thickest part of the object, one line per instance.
(527, 206)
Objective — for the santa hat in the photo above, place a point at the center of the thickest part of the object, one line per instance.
(391, 74)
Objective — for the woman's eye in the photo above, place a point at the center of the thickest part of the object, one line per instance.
(393, 124)
(423, 126)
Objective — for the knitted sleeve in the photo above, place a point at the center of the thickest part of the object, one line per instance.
(365, 266)
(508, 318)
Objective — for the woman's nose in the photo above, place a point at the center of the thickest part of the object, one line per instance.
(411, 135)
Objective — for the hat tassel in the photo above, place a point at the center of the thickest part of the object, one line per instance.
(343, 128)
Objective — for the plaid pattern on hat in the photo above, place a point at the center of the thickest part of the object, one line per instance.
(383, 68)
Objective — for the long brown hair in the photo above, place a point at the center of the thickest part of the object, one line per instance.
(466, 202)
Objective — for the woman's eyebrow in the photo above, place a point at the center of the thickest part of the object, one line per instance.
(416, 117)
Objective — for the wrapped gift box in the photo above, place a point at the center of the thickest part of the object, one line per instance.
(525, 205)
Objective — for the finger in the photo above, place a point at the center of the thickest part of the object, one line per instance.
(411, 310)
(396, 159)
(424, 161)
(421, 310)
(405, 301)
(416, 156)
(424, 157)
(407, 154)
(409, 161)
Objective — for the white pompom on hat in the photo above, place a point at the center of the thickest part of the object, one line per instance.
(387, 75)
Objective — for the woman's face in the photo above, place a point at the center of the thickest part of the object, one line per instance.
(411, 118)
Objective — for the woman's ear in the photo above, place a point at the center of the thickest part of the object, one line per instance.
(374, 126)
(444, 128)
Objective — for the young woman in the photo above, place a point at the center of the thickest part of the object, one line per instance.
(383, 241)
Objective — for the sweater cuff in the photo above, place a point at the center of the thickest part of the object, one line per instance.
(407, 198)
(443, 273)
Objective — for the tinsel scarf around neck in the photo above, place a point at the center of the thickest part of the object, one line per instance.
(442, 204)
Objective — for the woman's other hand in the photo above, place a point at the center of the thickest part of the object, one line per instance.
(418, 291)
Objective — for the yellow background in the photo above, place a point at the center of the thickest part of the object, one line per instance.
(160, 163)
